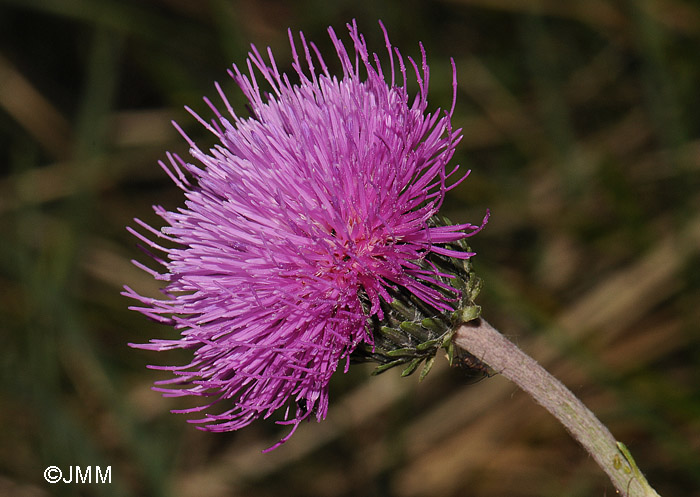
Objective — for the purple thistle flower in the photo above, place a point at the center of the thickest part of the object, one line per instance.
(295, 227)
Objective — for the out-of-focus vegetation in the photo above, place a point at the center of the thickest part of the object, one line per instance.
(581, 126)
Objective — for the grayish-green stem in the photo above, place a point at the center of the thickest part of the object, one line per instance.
(483, 341)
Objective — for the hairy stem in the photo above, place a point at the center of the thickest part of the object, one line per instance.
(483, 341)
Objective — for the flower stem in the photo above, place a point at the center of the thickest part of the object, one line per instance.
(483, 341)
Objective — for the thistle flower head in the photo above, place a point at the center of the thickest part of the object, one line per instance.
(296, 227)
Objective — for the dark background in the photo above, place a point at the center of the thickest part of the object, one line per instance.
(581, 123)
